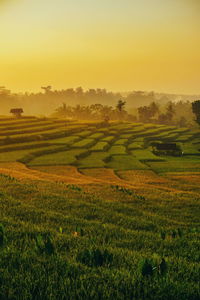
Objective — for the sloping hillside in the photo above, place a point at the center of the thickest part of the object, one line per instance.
(90, 212)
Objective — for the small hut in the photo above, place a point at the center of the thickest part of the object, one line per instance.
(17, 112)
(167, 149)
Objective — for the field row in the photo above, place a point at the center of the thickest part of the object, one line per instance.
(120, 146)
(39, 129)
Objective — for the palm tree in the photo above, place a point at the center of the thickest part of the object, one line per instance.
(120, 105)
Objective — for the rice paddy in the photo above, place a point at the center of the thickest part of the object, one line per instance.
(90, 212)
(129, 142)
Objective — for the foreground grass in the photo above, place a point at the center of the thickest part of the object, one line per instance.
(97, 242)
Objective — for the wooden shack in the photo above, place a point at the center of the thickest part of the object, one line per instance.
(167, 149)
(17, 112)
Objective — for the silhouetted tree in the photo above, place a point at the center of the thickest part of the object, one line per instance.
(196, 110)
(121, 105)
(97, 110)
(47, 89)
(166, 118)
(170, 111)
(120, 110)
(146, 113)
(107, 111)
(154, 108)
(64, 111)
(50, 100)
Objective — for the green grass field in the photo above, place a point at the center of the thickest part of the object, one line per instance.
(121, 142)
(126, 162)
(117, 139)
(93, 160)
(91, 213)
(186, 164)
(100, 146)
(66, 157)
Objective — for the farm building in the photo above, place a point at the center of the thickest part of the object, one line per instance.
(17, 112)
(167, 149)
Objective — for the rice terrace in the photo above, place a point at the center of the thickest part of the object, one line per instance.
(91, 211)
(99, 150)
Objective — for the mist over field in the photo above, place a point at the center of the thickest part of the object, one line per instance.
(47, 100)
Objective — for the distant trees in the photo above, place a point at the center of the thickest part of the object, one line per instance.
(196, 110)
(146, 113)
(170, 111)
(47, 89)
(141, 98)
(163, 119)
(182, 122)
(98, 104)
(78, 112)
(167, 117)
(8, 100)
(173, 113)
(120, 109)
(48, 99)
(95, 112)
(121, 105)
(106, 112)
(64, 111)
(154, 108)
(179, 113)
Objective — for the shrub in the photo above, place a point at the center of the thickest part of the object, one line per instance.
(163, 267)
(45, 244)
(146, 267)
(95, 257)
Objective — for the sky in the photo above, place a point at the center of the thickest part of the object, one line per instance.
(120, 45)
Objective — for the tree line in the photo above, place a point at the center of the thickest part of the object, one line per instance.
(179, 113)
(99, 104)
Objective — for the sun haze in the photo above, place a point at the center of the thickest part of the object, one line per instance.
(117, 44)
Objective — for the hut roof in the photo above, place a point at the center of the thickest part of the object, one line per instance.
(16, 110)
(167, 146)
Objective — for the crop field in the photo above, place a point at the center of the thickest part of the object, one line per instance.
(121, 142)
(37, 138)
(100, 146)
(90, 212)
(66, 157)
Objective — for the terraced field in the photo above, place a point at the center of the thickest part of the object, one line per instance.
(121, 146)
(90, 212)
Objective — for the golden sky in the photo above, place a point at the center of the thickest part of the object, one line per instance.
(120, 45)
